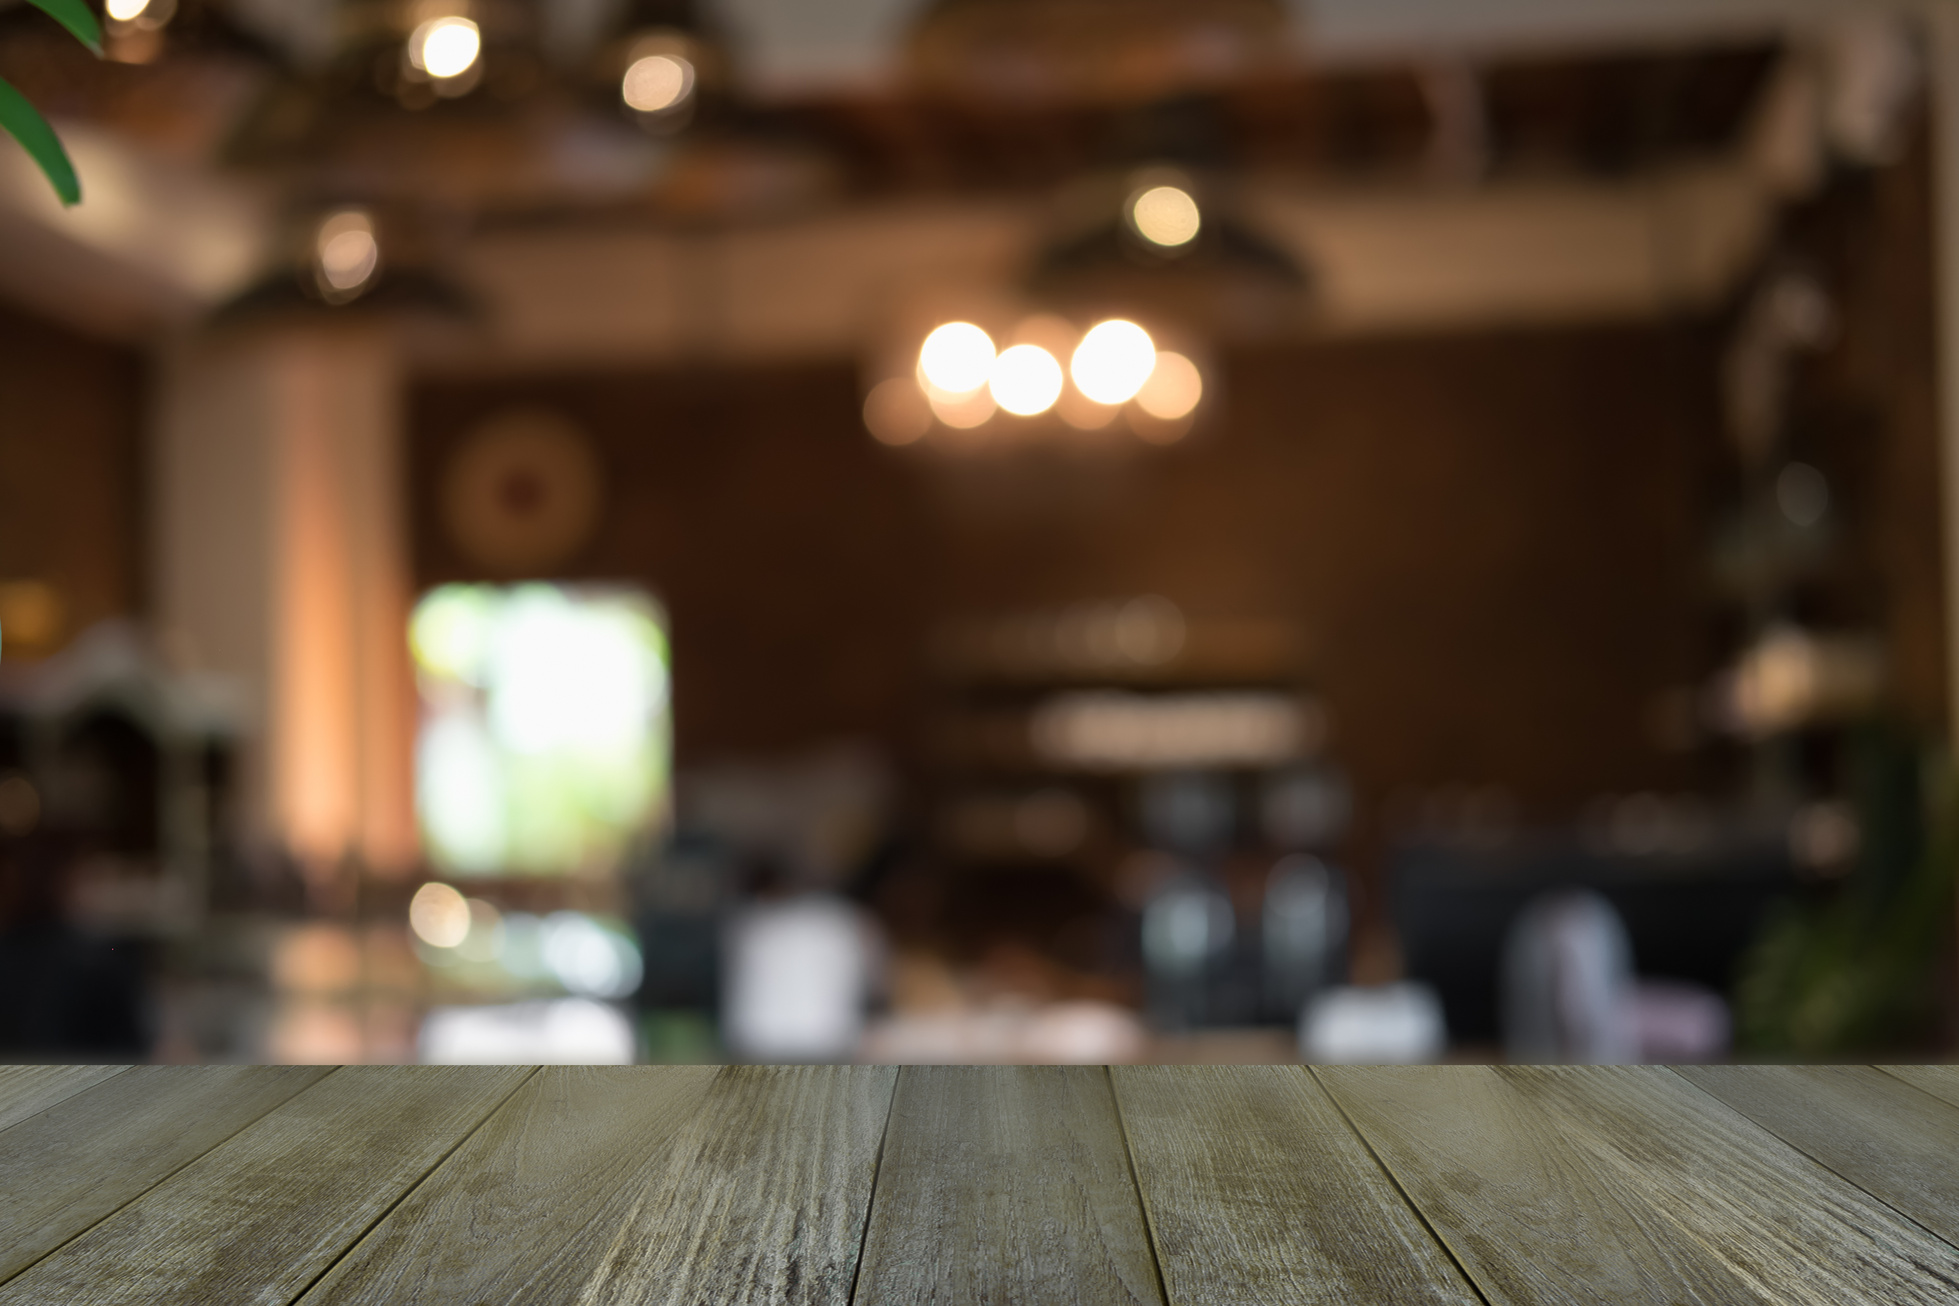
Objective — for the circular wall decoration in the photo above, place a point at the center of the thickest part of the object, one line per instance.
(522, 493)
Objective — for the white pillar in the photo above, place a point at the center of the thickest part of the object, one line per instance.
(280, 562)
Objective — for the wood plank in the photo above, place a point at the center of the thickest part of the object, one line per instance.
(1880, 1133)
(761, 1197)
(1627, 1184)
(1006, 1184)
(65, 1168)
(1258, 1191)
(1497, 1181)
(527, 1207)
(257, 1218)
(29, 1090)
(1941, 1082)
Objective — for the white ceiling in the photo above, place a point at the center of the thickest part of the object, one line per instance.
(1390, 261)
(788, 46)
(1362, 29)
(793, 46)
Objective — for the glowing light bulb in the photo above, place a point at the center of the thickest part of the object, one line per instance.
(125, 11)
(439, 915)
(962, 411)
(1113, 361)
(1083, 413)
(1174, 387)
(956, 358)
(1165, 215)
(347, 251)
(658, 82)
(445, 47)
(1025, 380)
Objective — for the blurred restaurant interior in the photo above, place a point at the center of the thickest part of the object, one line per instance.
(980, 530)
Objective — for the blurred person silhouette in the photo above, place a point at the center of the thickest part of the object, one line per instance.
(64, 994)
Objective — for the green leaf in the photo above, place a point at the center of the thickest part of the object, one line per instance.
(77, 17)
(29, 128)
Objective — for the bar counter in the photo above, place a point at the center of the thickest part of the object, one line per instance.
(1829, 1185)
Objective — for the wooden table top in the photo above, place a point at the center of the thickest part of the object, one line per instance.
(1155, 1184)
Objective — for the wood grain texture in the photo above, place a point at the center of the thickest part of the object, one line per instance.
(29, 1090)
(1258, 1191)
(1498, 1181)
(257, 1218)
(1006, 1184)
(1882, 1134)
(760, 1198)
(526, 1208)
(1627, 1184)
(66, 1167)
(1941, 1082)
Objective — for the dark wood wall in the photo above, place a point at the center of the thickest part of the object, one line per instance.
(1497, 543)
(1865, 411)
(71, 423)
(1492, 542)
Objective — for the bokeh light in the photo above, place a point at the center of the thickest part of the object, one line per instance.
(1025, 380)
(1173, 388)
(483, 941)
(450, 631)
(439, 915)
(1802, 493)
(445, 47)
(1156, 430)
(1165, 215)
(1113, 361)
(956, 358)
(1083, 413)
(346, 252)
(965, 411)
(125, 11)
(658, 82)
(589, 959)
(896, 412)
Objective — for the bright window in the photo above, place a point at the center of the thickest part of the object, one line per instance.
(544, 730)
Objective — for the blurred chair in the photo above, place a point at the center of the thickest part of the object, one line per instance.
(1303, 933)
(1689, 916)
(1188, 927)
(1568, 991)
(1679, 1022)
